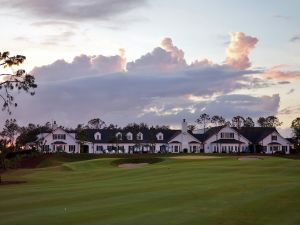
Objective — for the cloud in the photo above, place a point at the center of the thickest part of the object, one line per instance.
(276, 74)
(165, 58)
(284, 82)
(238, 50)
(55, 23)
(281, 16)
(291, 110)
(159, 87)
(81, 66)
(290, 91)
(295, 38)
(75, 10)
(231, 105)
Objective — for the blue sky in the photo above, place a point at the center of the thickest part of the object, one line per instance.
(47, 31)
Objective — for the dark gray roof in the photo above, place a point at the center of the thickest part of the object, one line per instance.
(228, 141)
(255, 134)
(149, 135)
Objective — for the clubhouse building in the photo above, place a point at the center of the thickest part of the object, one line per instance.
(221, 139)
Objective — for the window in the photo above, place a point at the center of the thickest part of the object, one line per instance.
(284, 148)
(59, 136)
(99, 148)
(129, 136)
(119, 136)
(227, 135)
(176, 148)
(71, 148)
(139, 136)
(274, 138)
(160, 136)
(97, 136)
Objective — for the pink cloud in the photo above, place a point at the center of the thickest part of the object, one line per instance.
(238, 50)
(276, 74)
(167, 44)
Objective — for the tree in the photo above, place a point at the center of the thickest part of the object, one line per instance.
(29, 134)
(296, 132)
(270, 121)
(80, 136)
(218, 120)
(19, 80)
(248, 122)
(96, 123)
(192, 127)
(204, 120)
(262, 122)
(10, 130)
(238, 121)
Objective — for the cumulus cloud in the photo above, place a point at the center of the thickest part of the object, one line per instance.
(165, 58)
(159, 87)
(81, 66)
(74, 9)
(238, 50)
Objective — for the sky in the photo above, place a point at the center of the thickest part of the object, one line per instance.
(155, 61)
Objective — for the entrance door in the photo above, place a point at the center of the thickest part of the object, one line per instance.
(85, 149)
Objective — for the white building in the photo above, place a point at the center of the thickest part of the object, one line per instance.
(58, 140)
(221, 139)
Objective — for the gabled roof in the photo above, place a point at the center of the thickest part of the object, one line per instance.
(212, 131)
(255, 134)
(59, 128)
(109, 136)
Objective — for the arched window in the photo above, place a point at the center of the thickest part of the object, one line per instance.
(97, 136)
(160, 136)
(139, 136)
(129, 136)
(119, 136)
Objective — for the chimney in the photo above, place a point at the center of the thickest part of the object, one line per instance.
(54, 125)
(184, 127)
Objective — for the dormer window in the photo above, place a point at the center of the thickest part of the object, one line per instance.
(129, 136)
(227, 135)
(139, 136)
(59, 136)
(97, 136)
(160, 136)
(119, 136)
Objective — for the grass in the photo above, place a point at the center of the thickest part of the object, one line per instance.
(172, 191)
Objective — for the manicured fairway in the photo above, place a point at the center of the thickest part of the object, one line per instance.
(198, 191)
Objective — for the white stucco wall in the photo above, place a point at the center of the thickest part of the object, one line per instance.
(209, 148)
(70, 140)
(281, 140)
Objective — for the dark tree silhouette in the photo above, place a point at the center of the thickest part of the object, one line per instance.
(238, 121)
(203, 120)
(296, 132)
(218, 120)
(19, 80)
(248, 122)
(270, 121)
(96, 123)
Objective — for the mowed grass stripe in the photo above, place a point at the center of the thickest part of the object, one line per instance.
(214, 191)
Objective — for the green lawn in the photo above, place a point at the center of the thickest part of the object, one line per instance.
(175, 191)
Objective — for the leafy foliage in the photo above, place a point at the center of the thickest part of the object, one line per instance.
(18, 80)
(296, 132)
(270, 121)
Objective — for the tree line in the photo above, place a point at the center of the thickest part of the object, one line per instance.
(205, 121)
